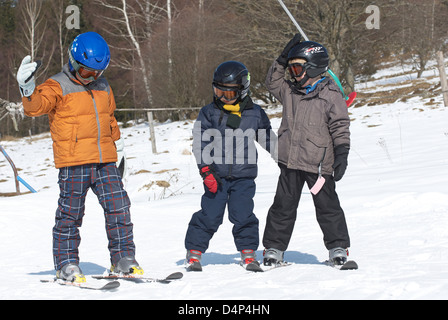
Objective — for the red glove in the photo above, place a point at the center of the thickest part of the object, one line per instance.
(211, 179)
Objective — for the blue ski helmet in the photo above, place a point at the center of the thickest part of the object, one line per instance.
(90, 50)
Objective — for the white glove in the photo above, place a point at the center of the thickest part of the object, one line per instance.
(119, 144)
(26, 69)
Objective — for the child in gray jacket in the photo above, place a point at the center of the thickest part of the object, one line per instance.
(313, 146)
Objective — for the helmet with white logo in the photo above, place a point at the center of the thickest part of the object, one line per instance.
(315, 54)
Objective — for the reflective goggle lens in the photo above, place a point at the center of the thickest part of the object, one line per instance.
(89, 74)
(84, 72)
(229, 93)
(296, 69)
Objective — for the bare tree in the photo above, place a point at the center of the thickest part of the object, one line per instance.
(169, 39)
(424, 33)
(13, 110)
(133, 22)
(32, 19)
(339, 25)
(58, 10)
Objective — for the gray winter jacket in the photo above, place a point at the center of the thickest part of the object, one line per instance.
(312, 123)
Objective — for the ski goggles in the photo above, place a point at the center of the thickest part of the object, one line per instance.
(296, 69)
(229, 93)
(84, 72)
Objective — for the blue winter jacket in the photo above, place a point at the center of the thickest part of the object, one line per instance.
(232, 152)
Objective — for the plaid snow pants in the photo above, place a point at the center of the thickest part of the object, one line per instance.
(105, 181)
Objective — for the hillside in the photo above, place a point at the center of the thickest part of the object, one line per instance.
(394, 194)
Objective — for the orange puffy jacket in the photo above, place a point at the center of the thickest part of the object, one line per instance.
(82, 122)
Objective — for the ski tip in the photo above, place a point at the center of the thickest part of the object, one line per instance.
(175, 276)
(46, 280)
(256, 269)
(350, 98)
(111, 285)
(349, 265)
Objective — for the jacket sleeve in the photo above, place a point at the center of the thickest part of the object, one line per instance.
(43, 100)
(266, 137)
(202, 124)
(113, 121)
(275, 81)
(339, 120)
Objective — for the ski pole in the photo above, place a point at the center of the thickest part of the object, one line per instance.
(293, 20)
(348, 99)
(16, 175)
(26, 184)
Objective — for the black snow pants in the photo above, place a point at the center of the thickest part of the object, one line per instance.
(283, 212)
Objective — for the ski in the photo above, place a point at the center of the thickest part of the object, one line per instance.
(140, 279)
(84, 285)
(349, 265)
(276, 266)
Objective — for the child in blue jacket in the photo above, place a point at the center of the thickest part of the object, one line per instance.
(224, 138)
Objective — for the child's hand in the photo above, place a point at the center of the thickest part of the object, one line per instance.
(340, 161)
(211, 179)
(25, 76)
(283, 58)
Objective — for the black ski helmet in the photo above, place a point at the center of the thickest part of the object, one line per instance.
(233, 72)
(315, 54)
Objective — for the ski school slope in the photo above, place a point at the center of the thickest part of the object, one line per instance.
(394, 193)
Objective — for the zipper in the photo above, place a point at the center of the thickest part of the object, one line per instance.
(98, 124)
(229, 173)
(321, 162)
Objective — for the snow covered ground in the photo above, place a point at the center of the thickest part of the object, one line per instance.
(394, 193)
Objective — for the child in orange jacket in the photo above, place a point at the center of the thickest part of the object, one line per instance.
(80, 105)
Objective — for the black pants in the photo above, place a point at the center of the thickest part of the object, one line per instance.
(283, 212)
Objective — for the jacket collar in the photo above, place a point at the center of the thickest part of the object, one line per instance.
(69, 74)
(315, 89)
(246, 103)
(311, 88)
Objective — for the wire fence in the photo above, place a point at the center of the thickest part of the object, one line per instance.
(150, 115)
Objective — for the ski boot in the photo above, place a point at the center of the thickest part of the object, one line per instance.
(249, 261)
(338, 256)
(272, 257)
(127, 266)
(71, 273)
(193, 260)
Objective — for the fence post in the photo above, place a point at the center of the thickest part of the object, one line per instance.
(443, 81)
(151, 132)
